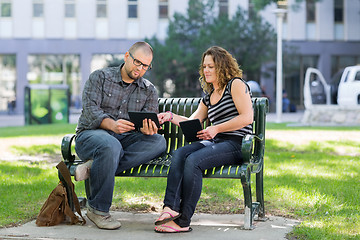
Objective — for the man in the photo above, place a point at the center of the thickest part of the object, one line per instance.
(107, 138)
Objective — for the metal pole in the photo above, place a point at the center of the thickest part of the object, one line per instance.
(279, 16)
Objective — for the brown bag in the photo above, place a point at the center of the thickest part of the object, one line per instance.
(56, 207)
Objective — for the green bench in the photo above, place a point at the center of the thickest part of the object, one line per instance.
(253, 147)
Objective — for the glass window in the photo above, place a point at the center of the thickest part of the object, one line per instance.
(132, 9)
(5, 6)
(310, 11)
(69, 8)
(38, 8)
(106, 60)
(57, 69)
(163, 9)
(7, 83)
(101, 9)
(343, 61)
(223, 7)
(339, 11)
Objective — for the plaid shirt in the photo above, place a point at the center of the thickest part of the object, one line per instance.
(106, 95)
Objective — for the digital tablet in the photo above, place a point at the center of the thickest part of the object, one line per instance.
(190, 128)
(138, 117)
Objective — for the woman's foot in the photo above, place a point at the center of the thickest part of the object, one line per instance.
(171, 227)
(166, 216)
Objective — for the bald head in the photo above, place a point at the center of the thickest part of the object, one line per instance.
(143, 46)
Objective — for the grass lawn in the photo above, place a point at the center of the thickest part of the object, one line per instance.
(312, 182)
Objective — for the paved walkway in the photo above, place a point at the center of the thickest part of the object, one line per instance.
(140, 226)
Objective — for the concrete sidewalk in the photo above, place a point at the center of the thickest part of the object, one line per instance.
(141, 226)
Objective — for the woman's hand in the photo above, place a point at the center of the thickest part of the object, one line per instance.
(165, 117)
(208, 133)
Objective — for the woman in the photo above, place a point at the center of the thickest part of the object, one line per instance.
(228, 106)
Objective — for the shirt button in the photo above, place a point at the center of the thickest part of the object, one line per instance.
(120, 112)
(109, 94)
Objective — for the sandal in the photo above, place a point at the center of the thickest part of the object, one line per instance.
(172, 230)
(165, 220)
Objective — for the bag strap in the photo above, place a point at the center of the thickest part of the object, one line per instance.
(64, 171)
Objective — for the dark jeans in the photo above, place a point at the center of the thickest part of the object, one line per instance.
(113, 153)
(184, 182)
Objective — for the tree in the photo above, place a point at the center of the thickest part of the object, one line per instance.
(251, 41)
(178, 58)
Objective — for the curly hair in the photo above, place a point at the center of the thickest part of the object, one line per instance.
(226, 68)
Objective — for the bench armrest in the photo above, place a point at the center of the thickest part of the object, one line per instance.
(66, 148)
(246, 147)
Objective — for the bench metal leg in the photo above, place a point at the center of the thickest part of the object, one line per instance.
(248, 211)
(260, 196)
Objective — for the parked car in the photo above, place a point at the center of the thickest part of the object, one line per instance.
(349, 87)
(346, 93)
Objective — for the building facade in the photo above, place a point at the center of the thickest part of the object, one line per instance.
(62, 41)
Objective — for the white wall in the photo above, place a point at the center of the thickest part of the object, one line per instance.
(54, 18)
(177, 6)
(22, 18)
(325, 20)
(86, 16)
(117, 11)
(148, 17)
(352, 20)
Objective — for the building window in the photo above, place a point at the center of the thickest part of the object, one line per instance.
(38, 8)
(339, 19)
(295, 67)
(163, 8)
(339, 62)
(7, 83)
(69, 8)
(223, 7)
(5, 6)
(53, 69)
(101, 9)
(310, 11)
(310, 19)
(339, 11)
(132, 9)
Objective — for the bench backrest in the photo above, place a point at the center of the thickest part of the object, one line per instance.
(186, 106)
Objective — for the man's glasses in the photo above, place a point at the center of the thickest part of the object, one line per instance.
(139, 63)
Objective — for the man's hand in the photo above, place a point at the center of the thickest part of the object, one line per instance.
(122, 126)
(149, 127)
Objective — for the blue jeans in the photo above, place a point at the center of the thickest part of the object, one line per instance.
(184, 182)
(113, 153)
